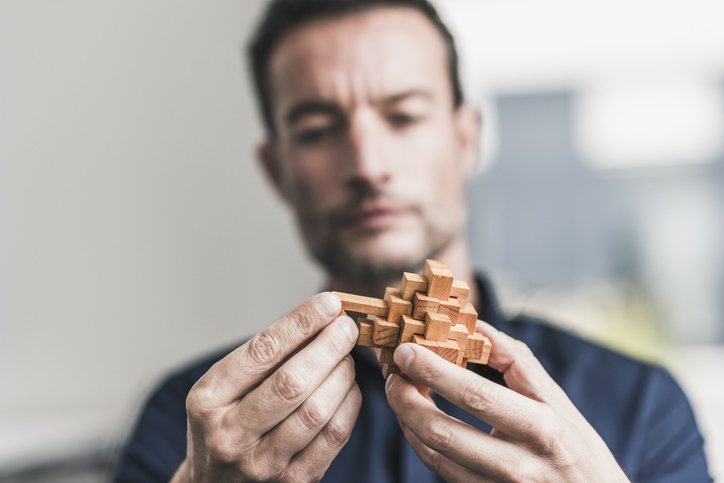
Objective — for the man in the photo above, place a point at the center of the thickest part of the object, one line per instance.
(371, 143)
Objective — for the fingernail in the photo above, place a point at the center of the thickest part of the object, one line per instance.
(350, 359)
(328, 304)
(349, 328)
(403, 356)
(390, 382)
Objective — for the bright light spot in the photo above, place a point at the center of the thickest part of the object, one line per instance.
(649, 124)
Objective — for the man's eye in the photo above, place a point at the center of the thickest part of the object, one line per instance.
(314, 136)
(402, 120)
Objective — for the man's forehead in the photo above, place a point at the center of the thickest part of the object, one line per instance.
(376, 54)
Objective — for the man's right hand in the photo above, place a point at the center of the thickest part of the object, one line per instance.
(280, 407)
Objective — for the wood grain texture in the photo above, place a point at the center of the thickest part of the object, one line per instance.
(411, 283)
(396, 305)
(438, 327)
(384, 354)
(384, 332)
(477, 348)
(467, 317)
(484, 353)
(449, 351)
(428, 344)
(440, 282)
(362, 305)
(461, 291)
(459, 333)
(409, 327)
(422, 304)
(430, 263)
(365, 332)
(451, 308)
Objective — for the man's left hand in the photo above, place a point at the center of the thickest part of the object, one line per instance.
(538, 434)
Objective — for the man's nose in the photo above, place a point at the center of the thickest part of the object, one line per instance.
(367, 147)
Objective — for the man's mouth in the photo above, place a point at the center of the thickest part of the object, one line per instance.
(371, 218)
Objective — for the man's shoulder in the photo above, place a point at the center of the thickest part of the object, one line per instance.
(563, 351)
(596, 378)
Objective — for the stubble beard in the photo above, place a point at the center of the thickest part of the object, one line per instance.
(360, 263)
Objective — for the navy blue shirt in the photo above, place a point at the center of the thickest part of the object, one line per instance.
(638, 409)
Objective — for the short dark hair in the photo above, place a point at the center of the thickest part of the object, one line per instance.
(282, 16)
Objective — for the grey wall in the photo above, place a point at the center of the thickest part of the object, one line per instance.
(135, 228)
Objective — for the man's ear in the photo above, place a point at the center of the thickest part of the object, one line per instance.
(469, 122)
(270, 163)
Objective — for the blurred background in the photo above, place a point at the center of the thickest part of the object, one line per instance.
(136, 231)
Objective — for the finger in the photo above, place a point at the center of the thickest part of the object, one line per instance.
(294, 433)
(294, 381)
(311, 463)
(460, 443)
(522, 371)
(439, 464)
(490, 402)
(233, 376)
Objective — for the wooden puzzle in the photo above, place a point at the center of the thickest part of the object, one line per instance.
(431, 309)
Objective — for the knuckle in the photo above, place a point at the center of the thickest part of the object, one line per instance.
(313, 414)
(433, 460)
(479, 396)
(337, 343)
(288, 385)
(304, 322)
(336, 433)
(438, 435)
(522, 348)
(295, 474)
(255, 468)
(347, 370)
(199, 402)
(549, 441)
(258, 473)
(221, 449)
(519, 472)
(262, 350)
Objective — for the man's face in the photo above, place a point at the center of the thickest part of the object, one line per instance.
(370, 151)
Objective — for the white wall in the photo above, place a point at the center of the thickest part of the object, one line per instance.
(136, 230)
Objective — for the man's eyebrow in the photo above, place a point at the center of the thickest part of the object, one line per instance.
(310, 107)
(395, 98)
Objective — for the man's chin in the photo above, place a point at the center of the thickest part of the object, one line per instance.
(374, 258)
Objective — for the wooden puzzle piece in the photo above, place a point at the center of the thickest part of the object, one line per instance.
(468, 317)
(422, 304)
(477, 348)
(409, 327)
(384, 332)
(459, 333)
(411, 283)
(451, 308)
(449, 351)
(362, 305)
(439, 278)
(428, 344)
(431, 310)
(461, 291)
(437, 327)
(384, 354)
(397, 306)
(365, 332)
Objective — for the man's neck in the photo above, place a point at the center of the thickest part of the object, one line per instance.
(456, 256)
